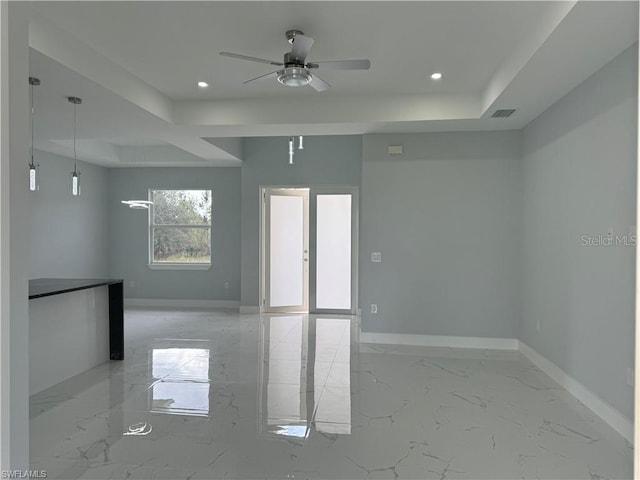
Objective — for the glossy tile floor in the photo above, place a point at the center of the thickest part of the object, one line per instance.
(214, 394)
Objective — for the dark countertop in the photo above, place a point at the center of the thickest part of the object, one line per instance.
(45, 287)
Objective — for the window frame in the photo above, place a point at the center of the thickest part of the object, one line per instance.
(151, 226)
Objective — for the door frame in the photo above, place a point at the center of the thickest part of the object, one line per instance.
(355, 222)
(264, 248)
(355, 229)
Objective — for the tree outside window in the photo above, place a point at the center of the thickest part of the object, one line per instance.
(180, 227)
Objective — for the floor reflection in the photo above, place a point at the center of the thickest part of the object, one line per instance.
(305, 376)
(181, 380)
(139, 429)
(332, 376)
(281, 404)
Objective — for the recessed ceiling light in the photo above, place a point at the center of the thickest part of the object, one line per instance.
(202, 84)
(436, 76)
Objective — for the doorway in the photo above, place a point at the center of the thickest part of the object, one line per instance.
(309, 249)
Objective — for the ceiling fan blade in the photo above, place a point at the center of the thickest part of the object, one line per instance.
(301, 47)
(318, 84)
(252, 59)
(362, 64)
(261, 78)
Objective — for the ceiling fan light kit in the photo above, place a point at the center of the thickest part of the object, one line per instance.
(294, 77)
(296, 71)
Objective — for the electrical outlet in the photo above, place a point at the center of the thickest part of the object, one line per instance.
(374, 308)
(630, 376)
(226, 284)
(132, 284)
(376, 257)
(538, 325)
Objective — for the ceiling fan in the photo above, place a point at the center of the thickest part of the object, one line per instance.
(296, 71)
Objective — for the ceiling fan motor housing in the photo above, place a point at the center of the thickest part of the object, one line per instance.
(291, 61)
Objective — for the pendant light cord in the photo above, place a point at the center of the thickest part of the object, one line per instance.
(76, 101)
(75, 158)
(32, 113)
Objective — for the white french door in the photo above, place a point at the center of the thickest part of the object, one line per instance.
(310, 249)
(333, 250)
(286, 248)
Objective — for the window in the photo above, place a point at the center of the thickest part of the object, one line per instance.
(180, 229)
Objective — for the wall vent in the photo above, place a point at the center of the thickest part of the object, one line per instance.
(504, 113)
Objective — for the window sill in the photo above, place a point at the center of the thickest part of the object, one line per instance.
(180, 266)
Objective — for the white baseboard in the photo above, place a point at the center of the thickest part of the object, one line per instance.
(440, 341)
(600, 407)
(178, 303)
(249, 309)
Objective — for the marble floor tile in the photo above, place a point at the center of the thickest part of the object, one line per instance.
(214, 394)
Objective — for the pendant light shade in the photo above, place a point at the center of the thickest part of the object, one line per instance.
(75, 175)
(75, 183)
(34, 170)
(292, 147)
(33, 177)
(291, 150)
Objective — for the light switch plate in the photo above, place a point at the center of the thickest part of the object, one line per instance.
(376, 257)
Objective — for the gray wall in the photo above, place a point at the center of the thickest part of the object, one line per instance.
(445, 216)
(480, 232)
(331, 160)
(579, 179)
(68, 234)
(128, 235)
(14, 234)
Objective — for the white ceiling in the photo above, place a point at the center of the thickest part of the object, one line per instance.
(136, 65)
(172, 45)
(111, 131)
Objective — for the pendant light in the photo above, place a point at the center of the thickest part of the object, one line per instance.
(75, 175)
(34, 169)
(292, 147)
(138, 204)
(291, 150)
